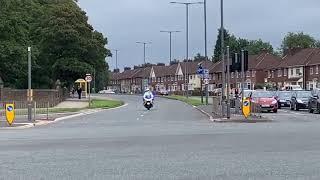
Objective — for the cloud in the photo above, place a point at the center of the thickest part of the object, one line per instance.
(126, 21)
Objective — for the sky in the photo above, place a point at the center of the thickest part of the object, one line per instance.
(124, 22)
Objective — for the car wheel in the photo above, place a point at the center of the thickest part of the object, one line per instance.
(310, 110)
(279, 106)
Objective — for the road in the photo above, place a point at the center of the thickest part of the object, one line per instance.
(172, 141)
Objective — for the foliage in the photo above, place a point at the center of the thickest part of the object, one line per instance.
(64, 45)
(199, 57)
(237, 44)
(298, 40)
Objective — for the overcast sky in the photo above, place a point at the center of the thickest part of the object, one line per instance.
(124, 22)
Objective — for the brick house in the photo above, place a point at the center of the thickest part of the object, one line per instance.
(298, 67)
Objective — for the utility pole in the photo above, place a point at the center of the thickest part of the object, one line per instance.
(144, 50)
(187, 4)
(30, 94)
(205, 30)
(170, 43)
(223, 62)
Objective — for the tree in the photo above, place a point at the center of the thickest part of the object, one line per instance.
(217, 48)
(64, 45)
(256, 46)
(298, 40)
(199, 57)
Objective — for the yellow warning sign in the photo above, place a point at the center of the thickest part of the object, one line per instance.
(246, 107)
(10, 113)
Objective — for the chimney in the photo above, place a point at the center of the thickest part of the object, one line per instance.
(127, 68)
(116, 70)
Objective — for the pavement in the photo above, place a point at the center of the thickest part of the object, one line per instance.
(172, 141)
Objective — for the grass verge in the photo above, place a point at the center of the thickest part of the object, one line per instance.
(191, 101)
(105, 104)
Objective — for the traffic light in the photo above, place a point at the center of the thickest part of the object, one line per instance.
(246, 61)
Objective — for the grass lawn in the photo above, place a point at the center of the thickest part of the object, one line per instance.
(105, 104)
(190, 100)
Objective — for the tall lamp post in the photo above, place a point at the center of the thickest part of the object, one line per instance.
(223, 61)
(29, 86)
(170, 44)
(116, 50)
(187, 4)
(144, 50)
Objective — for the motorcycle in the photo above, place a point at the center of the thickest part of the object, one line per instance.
(148, 103)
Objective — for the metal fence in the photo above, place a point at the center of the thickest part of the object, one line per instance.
(235, 109)
(40, 110)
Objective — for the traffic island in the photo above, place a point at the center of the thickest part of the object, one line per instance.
(235, 118)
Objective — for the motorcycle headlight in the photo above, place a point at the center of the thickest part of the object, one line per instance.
(299, 101)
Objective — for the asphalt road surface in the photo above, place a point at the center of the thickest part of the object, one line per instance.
(172, 141)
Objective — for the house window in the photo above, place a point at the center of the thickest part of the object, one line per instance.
(272, 74)
(317, 69)
(191, 77)
(153, 79)
(291, 72)
(237, 74)
(311, 70)
(232, 75)
(248, 73)
(172, 78)
(213, 77)
(254, 73)
(285, 72)
(298, 71)
(279, 72)
(269, 74)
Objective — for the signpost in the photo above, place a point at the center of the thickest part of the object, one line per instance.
(246, 107)
(89, 79)
(203, 74)
(10, 113)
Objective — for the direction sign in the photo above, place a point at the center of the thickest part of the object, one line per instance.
(10, 113)
(88, 78)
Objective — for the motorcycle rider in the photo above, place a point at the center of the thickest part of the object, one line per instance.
(147, 94)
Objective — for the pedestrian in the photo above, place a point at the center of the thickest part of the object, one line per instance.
(79, 91)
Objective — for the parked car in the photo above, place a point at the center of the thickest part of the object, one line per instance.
(293, 88)
(109, 91)
(284, 98)
(314, 103)
(164, 92)
(300, 100)
(266, 100)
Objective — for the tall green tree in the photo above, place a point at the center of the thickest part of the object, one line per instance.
(295, 40)
(64, 45)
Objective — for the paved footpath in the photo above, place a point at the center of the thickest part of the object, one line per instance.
(172, 141)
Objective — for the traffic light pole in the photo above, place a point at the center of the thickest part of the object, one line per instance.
(242, 75)
(228, 82)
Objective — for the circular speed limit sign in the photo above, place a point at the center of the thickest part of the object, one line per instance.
(88, 78)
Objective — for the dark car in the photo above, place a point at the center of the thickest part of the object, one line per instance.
(300, 100)
(314, 104)
(284, 98)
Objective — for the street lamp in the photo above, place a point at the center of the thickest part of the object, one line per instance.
(144, 49)
(116, 50)
(223, 61)
(170, 45)
(187, 4)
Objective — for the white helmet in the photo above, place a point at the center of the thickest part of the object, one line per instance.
(147, 89)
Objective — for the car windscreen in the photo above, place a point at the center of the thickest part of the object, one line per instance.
(284, 95)
(303, 94)
(263, 94)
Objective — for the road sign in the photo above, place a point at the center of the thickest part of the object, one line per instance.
(10, 113)
(246, 107)
(88, 78)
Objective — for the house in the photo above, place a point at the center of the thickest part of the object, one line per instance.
(298, 67)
